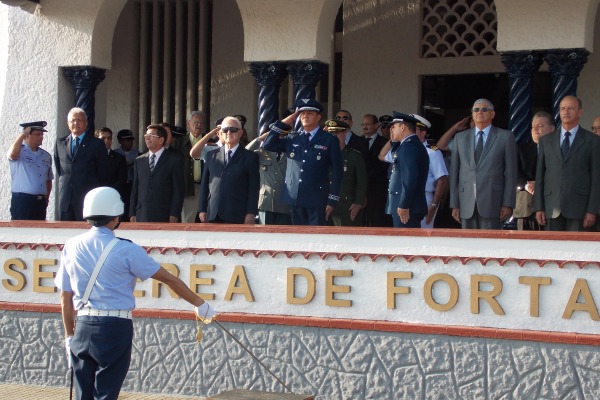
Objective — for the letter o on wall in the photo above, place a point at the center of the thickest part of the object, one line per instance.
(428, 292)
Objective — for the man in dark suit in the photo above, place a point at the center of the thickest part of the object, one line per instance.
(116, 174)
(81, 163)
(192, 168)
(483, 174)
(541, 125)
(157, 192)
(230, 180)
(352, 140)
(410, 166)
(377, 174)
(314, 168)
(567, 186)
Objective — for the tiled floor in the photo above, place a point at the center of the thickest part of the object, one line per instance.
(23, 392)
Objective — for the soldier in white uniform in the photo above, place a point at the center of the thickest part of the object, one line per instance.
(437, 179)
(99, 349)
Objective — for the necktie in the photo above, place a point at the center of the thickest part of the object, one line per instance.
(75, 146)
(151, 165)
(307, 136)
(228, 158)
(479, 146)
(564, 147)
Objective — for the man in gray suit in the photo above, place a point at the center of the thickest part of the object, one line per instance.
(483, 173)
(567, 179)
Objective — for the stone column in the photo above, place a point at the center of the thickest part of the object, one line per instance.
(269, 76)
(521, 67)
(305, 75)
(565, 66)
(85, 80)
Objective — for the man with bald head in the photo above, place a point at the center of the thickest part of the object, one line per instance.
(567, 179)
(230, 180)
(596, 126)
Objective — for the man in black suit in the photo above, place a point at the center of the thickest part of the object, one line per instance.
(230, 180)
(315, 167)
(352, 140)
(116, 174)
(157, 192)
(567, 179)
(541, 125)
(81, 161)
(377, 174)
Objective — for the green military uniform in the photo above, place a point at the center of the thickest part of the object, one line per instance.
(354, 188)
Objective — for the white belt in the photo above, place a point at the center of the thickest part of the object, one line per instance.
(94, 312)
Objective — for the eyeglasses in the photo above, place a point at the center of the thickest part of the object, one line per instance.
(367, 124)
(228, 129)
(482, 109)
(595, 128)
(343, 117)
(149, 135)
(196, 122)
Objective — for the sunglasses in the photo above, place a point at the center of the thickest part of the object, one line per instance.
(483, 109)
(231, 129)
(344, 118)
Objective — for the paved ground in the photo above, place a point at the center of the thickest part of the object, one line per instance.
(23, 392)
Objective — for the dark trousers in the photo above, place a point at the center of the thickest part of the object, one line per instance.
(274, 218)
(561, 223)
(308, 216)
(414, 221)
(100, 354)
(28, 206)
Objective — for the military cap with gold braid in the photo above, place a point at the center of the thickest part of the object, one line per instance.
(334, 126)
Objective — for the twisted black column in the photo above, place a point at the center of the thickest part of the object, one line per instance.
(269, 76)
(85, 80)
(521, 67)
(565, 66)
(305, 75)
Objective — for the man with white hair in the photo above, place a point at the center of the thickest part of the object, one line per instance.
(483, 173)
(437, 179)
(230, 180)
(81, 164)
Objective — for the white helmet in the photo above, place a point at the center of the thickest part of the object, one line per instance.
(101, 203)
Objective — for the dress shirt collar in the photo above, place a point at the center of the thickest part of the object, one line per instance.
(486, 133)
(157, 154)
(233, 149)
(572, 131)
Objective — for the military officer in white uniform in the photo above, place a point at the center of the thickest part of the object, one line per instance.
(437, 179)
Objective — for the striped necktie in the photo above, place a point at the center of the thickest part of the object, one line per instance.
(151, 165)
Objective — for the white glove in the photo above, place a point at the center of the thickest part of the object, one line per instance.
(68, 348)
(205, 313)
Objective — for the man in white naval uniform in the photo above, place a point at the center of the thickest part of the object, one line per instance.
(437, 179)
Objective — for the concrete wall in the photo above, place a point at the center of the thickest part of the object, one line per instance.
(329, 363)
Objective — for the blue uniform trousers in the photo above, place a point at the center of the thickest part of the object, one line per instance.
(308, 216)
(24, 206)
(100, 355)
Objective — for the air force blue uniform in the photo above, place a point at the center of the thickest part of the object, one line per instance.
(310, 166)
(410, 167)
